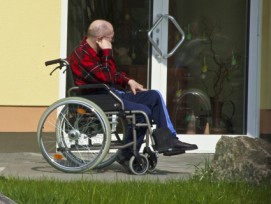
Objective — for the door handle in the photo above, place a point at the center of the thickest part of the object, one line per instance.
(155, 45)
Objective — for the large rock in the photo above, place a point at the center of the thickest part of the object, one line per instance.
(243, 158)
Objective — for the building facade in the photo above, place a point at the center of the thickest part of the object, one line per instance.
(210, 62)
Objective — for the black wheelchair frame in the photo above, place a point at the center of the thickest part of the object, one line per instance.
(76, 133)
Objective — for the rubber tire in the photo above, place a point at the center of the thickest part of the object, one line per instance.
(136, 168)
(73, 164)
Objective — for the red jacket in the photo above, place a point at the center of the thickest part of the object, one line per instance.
(89, 67)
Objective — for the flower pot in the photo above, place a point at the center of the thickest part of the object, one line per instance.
(218, 124)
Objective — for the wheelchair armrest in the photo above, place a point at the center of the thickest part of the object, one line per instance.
(88, 86)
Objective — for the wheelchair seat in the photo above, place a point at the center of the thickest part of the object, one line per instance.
(101, 94)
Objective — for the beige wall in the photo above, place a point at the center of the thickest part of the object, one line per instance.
(29, 35)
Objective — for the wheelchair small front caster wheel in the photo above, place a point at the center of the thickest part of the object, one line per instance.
(139, 165)
(152, 158)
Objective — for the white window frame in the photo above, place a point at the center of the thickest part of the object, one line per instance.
(63, 46)
(254, 69)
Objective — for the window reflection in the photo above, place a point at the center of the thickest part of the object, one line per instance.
(131, 21)
(213, 61)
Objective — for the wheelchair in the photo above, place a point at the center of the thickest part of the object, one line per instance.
(84, 132)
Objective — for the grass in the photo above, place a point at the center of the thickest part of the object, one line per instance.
(201, 188)
(175, 191)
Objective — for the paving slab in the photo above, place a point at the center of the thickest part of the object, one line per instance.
(32, 165)
(20, 157)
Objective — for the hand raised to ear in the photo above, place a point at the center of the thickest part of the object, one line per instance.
(104, 43)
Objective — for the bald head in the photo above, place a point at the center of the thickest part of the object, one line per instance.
(100, 28)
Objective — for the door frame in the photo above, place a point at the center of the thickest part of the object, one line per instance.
(63, 46)
(254, 69)
(159, 35)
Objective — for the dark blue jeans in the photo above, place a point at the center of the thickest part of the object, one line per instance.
(152, 103)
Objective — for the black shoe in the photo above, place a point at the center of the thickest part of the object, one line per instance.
(183, 146)
(174, 151)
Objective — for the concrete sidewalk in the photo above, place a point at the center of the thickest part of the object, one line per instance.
(33, 166)
(20, 157)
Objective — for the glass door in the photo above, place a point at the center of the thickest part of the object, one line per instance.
(204, 81)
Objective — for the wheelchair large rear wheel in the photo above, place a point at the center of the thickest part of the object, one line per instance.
(74, 134)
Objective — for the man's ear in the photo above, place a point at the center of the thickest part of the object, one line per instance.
(99, 38)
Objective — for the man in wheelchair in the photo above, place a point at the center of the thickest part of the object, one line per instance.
(92, 62)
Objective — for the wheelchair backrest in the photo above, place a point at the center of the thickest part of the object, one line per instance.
(97, 93)
(101, 94)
